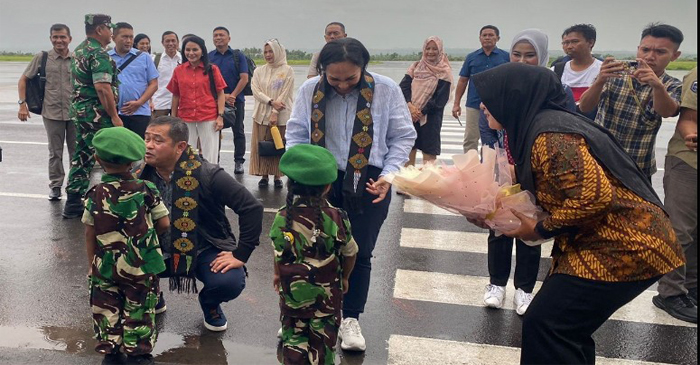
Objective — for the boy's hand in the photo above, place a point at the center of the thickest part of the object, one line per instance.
(276, 282)
(346, 285)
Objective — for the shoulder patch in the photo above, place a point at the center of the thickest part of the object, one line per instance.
(694, 87)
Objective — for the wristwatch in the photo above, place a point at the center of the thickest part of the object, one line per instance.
(20, 101)
(221, 115)
(270, 102)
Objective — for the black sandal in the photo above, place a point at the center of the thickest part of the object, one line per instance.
(263, 183)
(278, 184)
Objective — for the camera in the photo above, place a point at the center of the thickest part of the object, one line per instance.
(628, 66)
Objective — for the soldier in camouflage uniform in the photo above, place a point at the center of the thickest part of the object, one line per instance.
(123, 216)
(314, 255)
(93, 104)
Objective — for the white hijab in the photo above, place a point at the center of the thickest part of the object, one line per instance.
(538, 40)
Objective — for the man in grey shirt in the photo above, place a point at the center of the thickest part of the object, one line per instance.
(334, 30)
(58, 89)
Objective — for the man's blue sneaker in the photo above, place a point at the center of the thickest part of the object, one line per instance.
(214, 318)
(160, 306)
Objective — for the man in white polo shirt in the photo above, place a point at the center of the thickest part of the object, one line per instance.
(581, 71)
(166, 63)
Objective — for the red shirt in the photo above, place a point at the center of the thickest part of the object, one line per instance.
(192, 86)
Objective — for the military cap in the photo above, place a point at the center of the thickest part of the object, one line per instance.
(309, 165)
(98, 19)
(118, 145)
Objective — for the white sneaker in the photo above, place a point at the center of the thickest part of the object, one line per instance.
(350, 335)
(494, 296)
(522, 301)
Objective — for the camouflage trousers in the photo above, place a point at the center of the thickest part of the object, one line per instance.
(83, 159)
(309, 340)
(123, 309)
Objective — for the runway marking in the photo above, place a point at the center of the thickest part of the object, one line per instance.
(25, 142)
(416, 205)
(405, 350)
(469, 290)
(454, 241)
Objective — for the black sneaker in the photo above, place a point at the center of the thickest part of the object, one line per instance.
(279, 184)
(238, 169)
(263, 183)
(678, 306)
(74, 206)
(140, 359)
(114, 359)
(160, 306)
(693, 296)
(55, 194)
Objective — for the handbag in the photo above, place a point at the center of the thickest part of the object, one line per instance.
(35, 88)
(229, 116)
(268, 148)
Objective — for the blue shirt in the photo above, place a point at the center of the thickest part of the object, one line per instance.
(229, 70)
(476, 62)
(134, 79)
(393, 136)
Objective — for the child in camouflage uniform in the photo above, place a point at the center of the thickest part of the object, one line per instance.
(314, 255)
(122, 218)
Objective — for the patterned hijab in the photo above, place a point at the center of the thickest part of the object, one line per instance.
(426, 75)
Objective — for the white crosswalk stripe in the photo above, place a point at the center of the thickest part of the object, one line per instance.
(434, 288)
(430, 351)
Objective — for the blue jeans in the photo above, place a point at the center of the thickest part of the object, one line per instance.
(489, 137)
(218, 287)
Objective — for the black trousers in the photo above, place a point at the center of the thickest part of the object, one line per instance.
(136, 123)
(239, 133)
(365, 229)
(567, 310)
(527, 262)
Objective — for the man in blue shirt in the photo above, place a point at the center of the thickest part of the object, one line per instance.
(485, 58)
(138, 80)
(236, 77)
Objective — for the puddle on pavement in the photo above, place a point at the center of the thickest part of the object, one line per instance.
(207, 348)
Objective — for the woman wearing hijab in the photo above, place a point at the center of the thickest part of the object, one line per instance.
(426, 88)
(528, 47)
(362, 119)
(612, 236)
(273, 88)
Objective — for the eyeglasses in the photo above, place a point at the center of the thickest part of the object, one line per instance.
(272, 40)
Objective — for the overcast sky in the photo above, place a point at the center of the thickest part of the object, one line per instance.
(379, 24)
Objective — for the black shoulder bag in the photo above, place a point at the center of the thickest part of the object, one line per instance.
(36, 87)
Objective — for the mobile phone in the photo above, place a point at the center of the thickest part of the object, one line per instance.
(629, 66)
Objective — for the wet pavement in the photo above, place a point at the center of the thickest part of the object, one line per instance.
(423, 305)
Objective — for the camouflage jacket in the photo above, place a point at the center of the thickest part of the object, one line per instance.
(311, 272)
(91, 64)
(123, 211)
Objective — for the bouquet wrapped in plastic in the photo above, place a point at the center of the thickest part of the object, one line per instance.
(471, 187)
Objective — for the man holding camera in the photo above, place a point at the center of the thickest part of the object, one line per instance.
(633, 97)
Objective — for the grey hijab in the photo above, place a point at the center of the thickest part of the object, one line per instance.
(537, 39)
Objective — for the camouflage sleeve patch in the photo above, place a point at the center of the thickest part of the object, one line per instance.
(350, 248)
(101, 77)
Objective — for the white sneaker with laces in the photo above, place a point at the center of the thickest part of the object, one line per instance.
(350, 335)
(494, 296)
(522, 301)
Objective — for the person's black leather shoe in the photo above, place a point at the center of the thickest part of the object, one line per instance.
(74, 206)
(678, 306)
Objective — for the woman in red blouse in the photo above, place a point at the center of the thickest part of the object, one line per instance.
(198, 98)
(612, 236)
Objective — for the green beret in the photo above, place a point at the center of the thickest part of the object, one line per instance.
(118, 145)
(97, 19)
(309, 165)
